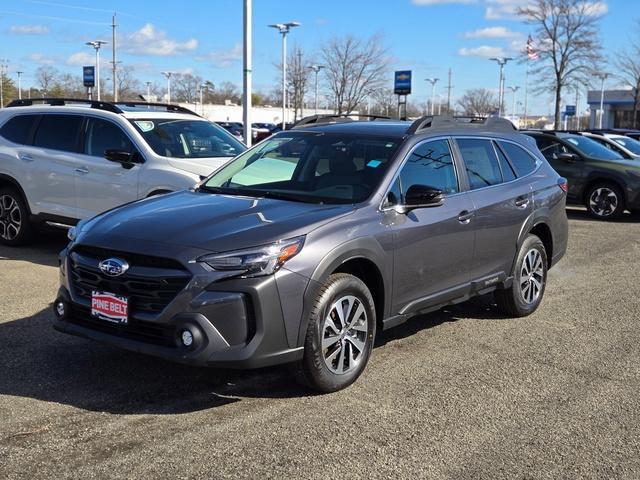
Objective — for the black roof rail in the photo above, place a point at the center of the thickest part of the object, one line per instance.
(335, 118)
(168, 106)
(26, 102)
(436, 121)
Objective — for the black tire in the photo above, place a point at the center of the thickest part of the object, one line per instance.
(15, 226)
(313, 370)
(605, 201)
(520, 299)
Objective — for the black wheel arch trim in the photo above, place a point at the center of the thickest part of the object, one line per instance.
(13, 182)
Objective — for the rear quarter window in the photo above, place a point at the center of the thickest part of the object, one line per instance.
(523, 162)
(18, 129)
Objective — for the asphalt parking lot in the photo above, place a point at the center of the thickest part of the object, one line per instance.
(461, 393)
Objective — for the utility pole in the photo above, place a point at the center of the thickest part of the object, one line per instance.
(316, 69)
(246, 71)
(449, 87)
(19, 85)
(113, 58)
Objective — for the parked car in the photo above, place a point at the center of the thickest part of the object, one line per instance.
(628, 147)
(66, 160)
(233, 128)
(599, 178)
(302, 248)
(627, 132)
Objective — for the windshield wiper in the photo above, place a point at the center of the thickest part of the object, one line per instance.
(286, 196)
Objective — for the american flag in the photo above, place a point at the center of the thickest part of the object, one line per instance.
(532, 54)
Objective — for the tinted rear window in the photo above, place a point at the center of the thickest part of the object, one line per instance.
(18, 129)
(481, 162)
(58, 132)
(521, 160)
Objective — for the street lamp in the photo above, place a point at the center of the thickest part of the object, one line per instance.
(97, 44)
(433, 82)
(3, 72)
(148, 91)
(202, 89)
(502, 61)
(514, 89)
(316, 69)
(168, 76)
(603, 77)
(284, 28)
(19, 85)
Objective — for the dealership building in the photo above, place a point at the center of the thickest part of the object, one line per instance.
(617, 109)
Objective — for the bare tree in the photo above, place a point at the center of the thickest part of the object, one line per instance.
(628, 63)
(186, 87)
(385, 102)
(226, 91)
(478, 102)
(46, 77)
(129, 87)
(297, 79)
(354, 67)
(566, 36)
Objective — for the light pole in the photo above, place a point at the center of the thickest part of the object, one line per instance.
(502, 61)
(3, 72)
(247, 74)
(97, 44)
(19, 74)
(514, 89)
(168, 76)
(433, 82)
(603, 77)
(148, 91)
(284, 28)
(316, 69)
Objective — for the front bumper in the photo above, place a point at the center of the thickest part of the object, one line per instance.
(235, 323)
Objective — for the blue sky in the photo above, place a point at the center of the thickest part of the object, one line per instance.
(204, 36)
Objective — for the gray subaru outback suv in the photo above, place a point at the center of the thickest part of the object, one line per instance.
(301, 248)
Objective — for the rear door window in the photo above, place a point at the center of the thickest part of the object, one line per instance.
(58, 132)
(18, 129)
(103, 135)
(522, 161)
(480, 161)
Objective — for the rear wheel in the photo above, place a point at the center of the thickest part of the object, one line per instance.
(524, 295)
(605, 201)
(15, 227)
(340, 335)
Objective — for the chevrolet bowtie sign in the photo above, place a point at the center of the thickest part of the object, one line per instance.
(402, 82)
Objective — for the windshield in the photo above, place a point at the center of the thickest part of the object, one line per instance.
(187, 138)
(591, 148)
(306, 166)
(629, 143)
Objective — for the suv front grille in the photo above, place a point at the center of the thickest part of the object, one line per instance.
(150, 284)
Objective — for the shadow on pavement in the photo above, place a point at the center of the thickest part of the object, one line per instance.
(43, 250)
(577, 213)
(38, 362)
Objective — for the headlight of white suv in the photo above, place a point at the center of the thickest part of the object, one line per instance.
(258, 261)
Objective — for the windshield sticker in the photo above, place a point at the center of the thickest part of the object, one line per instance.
(389, 145)
(571, 140)
(374, 163)
(145, 125)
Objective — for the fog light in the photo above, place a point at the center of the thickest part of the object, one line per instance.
(187, 338)
(60, 308)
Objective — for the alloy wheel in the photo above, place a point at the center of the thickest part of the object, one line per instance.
(603, 201)
(344, 334)
(10, 217)
(531, 276)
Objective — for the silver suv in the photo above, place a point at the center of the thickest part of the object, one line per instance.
(65, 160)
(301, 248)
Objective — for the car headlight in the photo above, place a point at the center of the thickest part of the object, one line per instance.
(258, 261)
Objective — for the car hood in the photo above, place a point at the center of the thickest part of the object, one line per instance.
(199, 166)
(206, 221)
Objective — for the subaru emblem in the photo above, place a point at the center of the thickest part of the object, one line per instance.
(113, 267)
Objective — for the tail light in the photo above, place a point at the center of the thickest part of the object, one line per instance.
(563, 184)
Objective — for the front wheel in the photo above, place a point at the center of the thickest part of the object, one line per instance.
(605, 201)
(15, 228)
(340, 335)
(524, 295)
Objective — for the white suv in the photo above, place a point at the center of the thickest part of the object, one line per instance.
(65, 160)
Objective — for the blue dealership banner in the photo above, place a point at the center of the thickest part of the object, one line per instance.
(402, 82)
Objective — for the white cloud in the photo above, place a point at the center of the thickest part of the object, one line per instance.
(80, 59)
(492, 32)
(596, 8)
(41, 59)
(224, 58)
(440, 2)
(501, 9)
(484, 51)
(29, 30)
(149, 41)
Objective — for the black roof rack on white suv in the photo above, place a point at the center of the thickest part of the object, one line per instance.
(115, 107)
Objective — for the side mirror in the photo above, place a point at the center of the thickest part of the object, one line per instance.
(567, 157)
(124, 158)
(421, 196)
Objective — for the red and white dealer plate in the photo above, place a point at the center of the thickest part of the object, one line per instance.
(110, 307)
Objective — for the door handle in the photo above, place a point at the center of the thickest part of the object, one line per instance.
(522, 202)
(465, 216)
(82, 170)
(26, 158)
